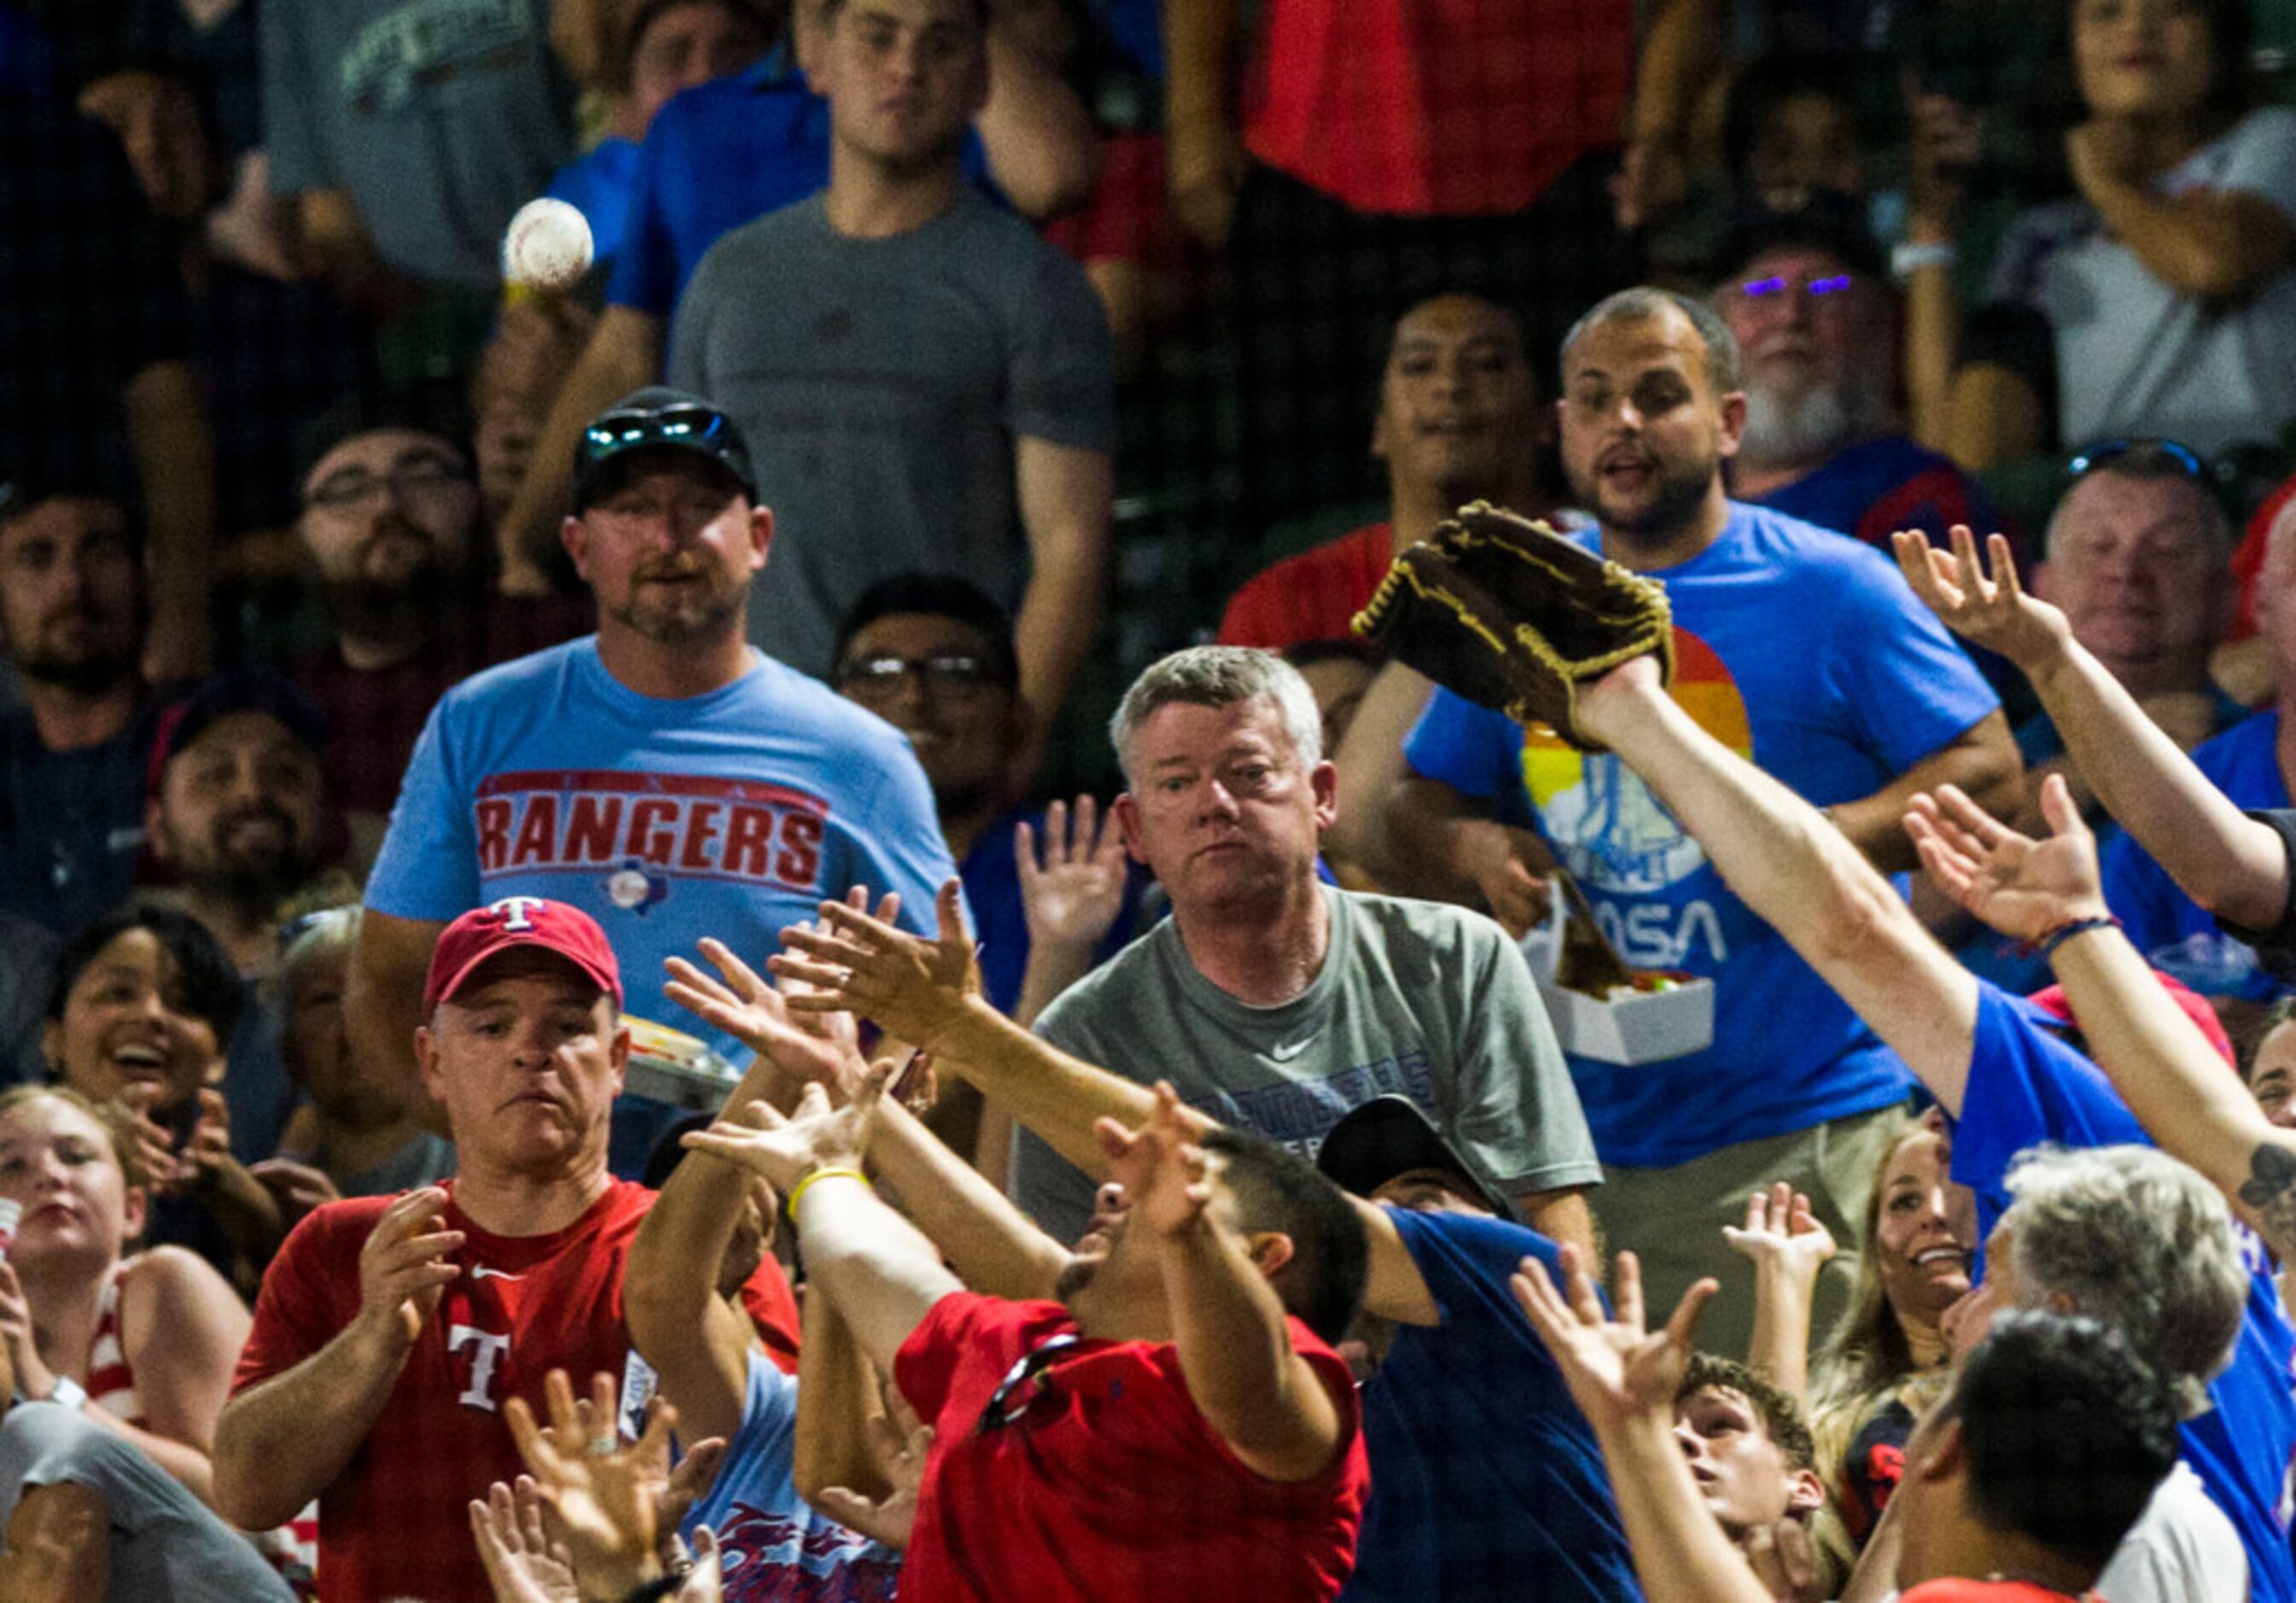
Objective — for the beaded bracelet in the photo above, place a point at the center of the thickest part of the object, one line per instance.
(841, 1172)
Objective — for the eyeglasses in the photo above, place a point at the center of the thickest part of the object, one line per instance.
(2147, 455)
(881, 676)
(1773, 289)
(1009, 1401)
(702, 427)
(419, 475)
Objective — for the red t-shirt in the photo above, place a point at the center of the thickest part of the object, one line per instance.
(1958, 1590)
(1438, 108)
(1113, 1487)
(1310, 597)
(396, 1523)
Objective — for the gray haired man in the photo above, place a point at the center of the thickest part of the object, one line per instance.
(1276, 1002)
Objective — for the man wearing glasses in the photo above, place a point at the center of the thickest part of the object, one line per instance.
(662, 775)
(1798, 649)
(1807, 297)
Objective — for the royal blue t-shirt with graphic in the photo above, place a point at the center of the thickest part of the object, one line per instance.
(2027, 1087)
(1806, 652)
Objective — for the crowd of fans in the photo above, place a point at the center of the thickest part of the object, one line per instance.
(560, 1039)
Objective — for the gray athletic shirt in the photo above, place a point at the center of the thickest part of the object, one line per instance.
(880, 384)
(165, 1543)
(1416, 998)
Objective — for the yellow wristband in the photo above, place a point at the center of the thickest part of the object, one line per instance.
(799, 1190)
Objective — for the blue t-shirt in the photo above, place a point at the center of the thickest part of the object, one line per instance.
(2026, 1087)
(598, 184)
(1804, 652)
(1882, 485)
(774, 1546)
(716, 156)
(733, 814)
(2168, 926)
(1485, 1478)
(991, 872)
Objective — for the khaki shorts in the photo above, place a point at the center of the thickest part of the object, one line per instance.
(1673, 1219)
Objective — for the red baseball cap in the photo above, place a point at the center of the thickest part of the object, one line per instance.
(2052, 1001)
(552, 926)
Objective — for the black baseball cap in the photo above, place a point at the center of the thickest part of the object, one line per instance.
(241, 690)
(1388, 1136)
(657, 418)
(1826, 220)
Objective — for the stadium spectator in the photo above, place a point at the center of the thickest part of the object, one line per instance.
(1857, 704)
(1275, 1003)
(391, 534)
(2159, 298)
(933, 386)
(663, 774)
(71, 623)
(1459, 420)
(391, 1331)
(725, 154)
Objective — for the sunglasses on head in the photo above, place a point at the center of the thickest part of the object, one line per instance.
(2139, 451)
(618, 431)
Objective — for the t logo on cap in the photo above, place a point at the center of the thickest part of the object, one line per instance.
(516, 921)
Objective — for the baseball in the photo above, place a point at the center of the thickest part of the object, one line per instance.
(547, 246)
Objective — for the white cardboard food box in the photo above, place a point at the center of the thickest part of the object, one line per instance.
(671, 1066)
(1631, 1027)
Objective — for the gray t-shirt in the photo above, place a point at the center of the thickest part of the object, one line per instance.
(165, 1543)
(1414, 998)
(441, 118)
(880, 384)
(2134, 355)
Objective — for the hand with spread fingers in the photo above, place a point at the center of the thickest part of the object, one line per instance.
(2020, 886)
(524, 1563)
(911, 988)
(1072, 892)
(812, 1048)
(1782, 1231)
(899, 1442)
(1988, 608)
(1160, 1166)
(1616, 1370)
(612, 1498)
(818, 1136)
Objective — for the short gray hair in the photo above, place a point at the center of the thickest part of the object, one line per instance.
(319, 933)
(1644, 302)
(2139, 1242)
(1221, 676)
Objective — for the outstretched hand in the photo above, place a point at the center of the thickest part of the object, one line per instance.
(1782, 1231)
(912, 988)
(785, 1150)
(524, 1563)
(1070, 894)
(1159, 1165)
(813, 1048)
(900, 1444)
(1615, 1368)
(609, 1494)
(1991, 609)
(2023, 887)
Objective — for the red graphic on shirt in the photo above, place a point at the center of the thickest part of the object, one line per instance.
(695, 825)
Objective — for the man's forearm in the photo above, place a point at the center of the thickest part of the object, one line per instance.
(1561, 1216)
(283, 1441)
(169, 431)
(991, 1244)
(1056, 1096)
(1236, 1354)
(1060, 614)
(1042, 150)
(1372, 767)
(1982, 762)
(2228, 863)
(624, 354)
(882, 1273)
(1680, 1552)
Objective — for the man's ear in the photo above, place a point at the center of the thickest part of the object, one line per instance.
(1127, 819)
(1734, 423)
(1382, 438)
(155, 830)
(576, 541)
(620, 1051)
(426, 1059)
(1269, 1251)
(52, 1047)
(761, 535)
(1324, 780)
(1806, 1494)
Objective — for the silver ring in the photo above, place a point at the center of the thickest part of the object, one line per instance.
(602, 1446)
(844, 977)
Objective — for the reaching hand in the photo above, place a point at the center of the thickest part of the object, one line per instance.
(1782, 1232)
(402, 1268)
(1072, 900)
(161, 1169)
(1508, 866)
(523, 1563)
(298, 1188)
(1992, 610)
(608, 1493)
(209, 1148)
(1615, 1369)
(900, 1444)
(2022, 887)
(913, 987)
(1160, 1166)
(814, 1049)
(785, 1150)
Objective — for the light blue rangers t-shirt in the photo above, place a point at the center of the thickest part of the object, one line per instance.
(732, 814)
(1804, 652)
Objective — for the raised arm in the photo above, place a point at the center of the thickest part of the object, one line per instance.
(2221, 245)
(1788, 1244)
(1624, 1380)
(2156, 1057)
(1234, 1344)
(1042, 150)
(382, 1004)
(2228, 862)
(1067, 496)
(1798, 872)
(883, 1276)
(280, 1442)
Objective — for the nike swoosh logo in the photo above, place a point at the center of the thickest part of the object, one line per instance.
(479, 1271)
(1286, 1052)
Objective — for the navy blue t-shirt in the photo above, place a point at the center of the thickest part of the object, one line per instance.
(1486, 1480)
(2027, 1087)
